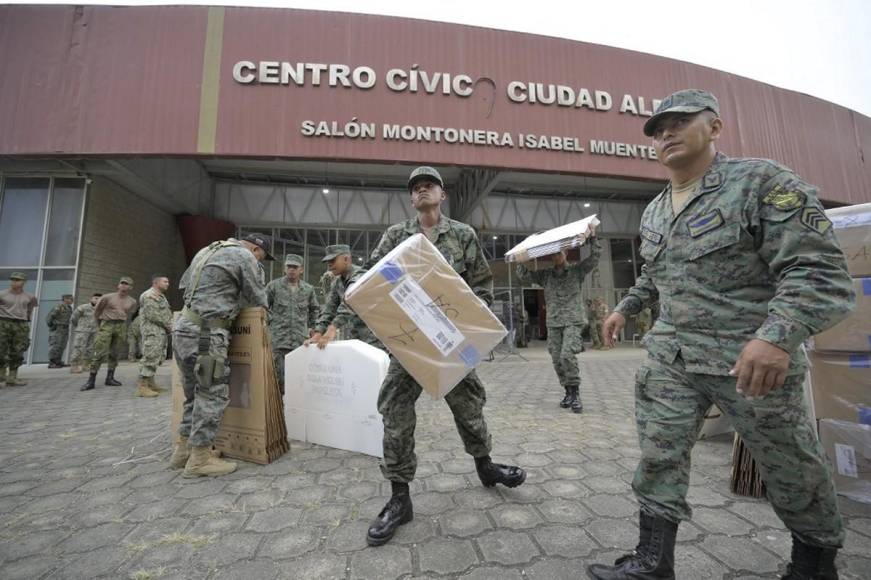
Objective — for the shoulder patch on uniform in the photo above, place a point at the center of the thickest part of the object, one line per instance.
(813, 219)
(704, 223)
(784, 199)
(650, 235)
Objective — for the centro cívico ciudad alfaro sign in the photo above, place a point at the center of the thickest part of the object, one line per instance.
(415, 80)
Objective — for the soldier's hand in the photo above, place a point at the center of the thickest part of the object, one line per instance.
(315, 339)
(612, 327)
(760, 368)
(328, 337)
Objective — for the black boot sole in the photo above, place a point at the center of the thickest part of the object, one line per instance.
(564, 405)
(87, 388)
(374, 542)
(510, 484)
(113, 384)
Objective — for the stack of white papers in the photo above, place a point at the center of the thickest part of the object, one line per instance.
(552, 241)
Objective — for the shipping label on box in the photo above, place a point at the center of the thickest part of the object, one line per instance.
(848, 447)
(426, 315)
(841, 385)
(853, 229)
(853, 334)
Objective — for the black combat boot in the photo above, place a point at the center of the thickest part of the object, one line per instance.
(567, 400)
(89, 386)
(653, 558)
(492, 473)
(53, 364)
(110, 379)
(575, 400)
(811, 562)
(398, 511)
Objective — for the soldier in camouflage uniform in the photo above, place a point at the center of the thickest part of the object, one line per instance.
(745, 266)
(84, 330)
(334, 315)
(598, 312)
(642, 322)
(566, 317)
(155, 318)
(16, 308)
(134, 337)
(112, 313)
(293, 311)
(459, 244)
(223, 278)
(58, 321)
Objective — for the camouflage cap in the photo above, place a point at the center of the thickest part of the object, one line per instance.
(65, 296)
(262, 241)
(293, 260)
(126, 280)
(424, 172)
(685, 101)
(334, 252)
(18, 276)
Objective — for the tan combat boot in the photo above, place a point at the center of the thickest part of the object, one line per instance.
(180, 453)
(203, 463)
(12, 379)
(154, 387)
(142, 389)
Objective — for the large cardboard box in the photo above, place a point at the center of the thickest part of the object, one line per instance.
(331, 395)
(253, 427)
(848, 447)
(426, 315)
(841, 385)
(853, 334)
(853, 230)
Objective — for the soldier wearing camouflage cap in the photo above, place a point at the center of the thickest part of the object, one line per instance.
(16, 309)
(112, 313)
(293, 311)
(58, 322)
(333, 315)
(745, 266)
(458, 243)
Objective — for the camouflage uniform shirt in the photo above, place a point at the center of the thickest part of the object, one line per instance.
(155, 315)
(750, 255)
(334, 311)
(83, 319)
(292, 312)
(562, 288)
(59, 317)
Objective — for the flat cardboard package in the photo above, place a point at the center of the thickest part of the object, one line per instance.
(546, 243)
(331, 395)
(253, 427)
(848, 447)
(841, 385)
(853, 334)
(426, 315)
(853, 230)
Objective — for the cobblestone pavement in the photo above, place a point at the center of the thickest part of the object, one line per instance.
(85, 493)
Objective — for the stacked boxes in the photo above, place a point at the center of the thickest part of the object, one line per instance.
(840, 365)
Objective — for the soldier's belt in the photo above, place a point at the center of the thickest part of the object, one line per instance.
(14, 320)
(212, 323)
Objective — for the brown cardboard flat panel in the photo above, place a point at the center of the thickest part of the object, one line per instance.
(376, 299)
(853, 334)
(848, 447)
(853, 230)
(841, 384)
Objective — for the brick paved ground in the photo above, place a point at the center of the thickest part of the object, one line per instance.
(84, 493)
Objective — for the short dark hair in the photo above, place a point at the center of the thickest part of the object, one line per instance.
(158, 275)
(96, 295)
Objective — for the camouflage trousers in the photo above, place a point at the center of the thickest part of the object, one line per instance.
(564, 343)
(83, 346)
(203, 405)
(396, 401)
(278, 355)
(57, 342)
(14, 340)
(670, 406)
(596, 334)
(111, 339)
(134, 345)
(153, 350)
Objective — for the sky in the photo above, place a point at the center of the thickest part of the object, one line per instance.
(818, 47)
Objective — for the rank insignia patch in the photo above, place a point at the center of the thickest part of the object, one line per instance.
(814, 219)
(704, 223)
(784, 200)
(650, 235)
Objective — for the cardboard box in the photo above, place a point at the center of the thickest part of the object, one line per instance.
(426, 315)
(331, 395)
(853, 334)
(853, 230)
(841, 385)
(848, 447)
(253, 427)
(552, 241)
